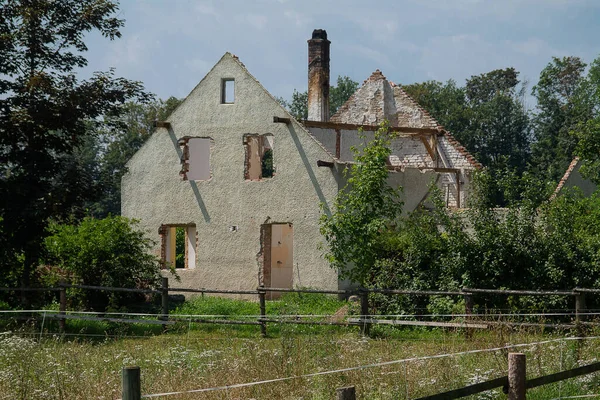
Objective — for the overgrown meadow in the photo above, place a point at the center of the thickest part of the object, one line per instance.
(86, 363)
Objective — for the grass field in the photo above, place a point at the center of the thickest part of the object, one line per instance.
(193, 356)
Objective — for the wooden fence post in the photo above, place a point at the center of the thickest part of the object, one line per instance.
(579, 306)
(468, 313)
(365, 327)
(263, 310)
(346, 393)
(517, 376)
(165, 299)
(62, 308)
(132, 388)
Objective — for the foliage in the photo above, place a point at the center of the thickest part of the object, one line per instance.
(120, 137)
(338, 95)
(101, 252)
(563, 102)
(554, 246)
(364, 209)
(487, 116)
(267, 164)
(179, 247)
(46, 113)
(587, 132)
(446, 102)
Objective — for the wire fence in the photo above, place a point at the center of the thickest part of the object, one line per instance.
(472, 389)
(471, 318)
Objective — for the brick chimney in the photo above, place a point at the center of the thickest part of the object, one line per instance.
(318, 76)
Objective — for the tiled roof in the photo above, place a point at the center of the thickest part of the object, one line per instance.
(565, 177)
(379, 99)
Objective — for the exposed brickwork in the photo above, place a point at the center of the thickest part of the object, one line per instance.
(378, 99)
(410, 152)
(162, 232)
(565, 177)
(318, 76)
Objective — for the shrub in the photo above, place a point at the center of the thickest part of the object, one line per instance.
(101, 252)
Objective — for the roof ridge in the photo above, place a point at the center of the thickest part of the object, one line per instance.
(565, 177)
(377, 75)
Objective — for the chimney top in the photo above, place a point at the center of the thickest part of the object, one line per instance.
(319, 34)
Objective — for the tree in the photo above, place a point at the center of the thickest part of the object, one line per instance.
(125, 135)
(499, 132)
(587, 132)
(562, 104)
(338, 95)
(46, 113)
(341, 92)
(446, 102)
(364, 210)
(488, 117)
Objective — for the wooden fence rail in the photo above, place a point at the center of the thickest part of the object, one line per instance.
(364, 320)
(517, 378)
(514, 384)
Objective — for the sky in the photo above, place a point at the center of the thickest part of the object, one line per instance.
(170, 45)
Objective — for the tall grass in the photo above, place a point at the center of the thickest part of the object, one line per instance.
(191, 356)
(55, 369)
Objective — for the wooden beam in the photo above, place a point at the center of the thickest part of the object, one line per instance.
(448, 170)
(457, 189)
(522, 292)
(428, 147)
(559, 376)
(354, 127)
(282, 120)
(321, 163)
(338, 143)
(162, 124)
(418, 323)
(469, 390)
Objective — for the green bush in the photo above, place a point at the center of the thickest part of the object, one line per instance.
(102, 252)
(551, 247)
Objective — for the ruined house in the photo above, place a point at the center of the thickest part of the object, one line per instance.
(231, 185)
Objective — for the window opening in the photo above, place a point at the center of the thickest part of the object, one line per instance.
(259, 157)
(195, 159)
(178, 246)
(227, 91)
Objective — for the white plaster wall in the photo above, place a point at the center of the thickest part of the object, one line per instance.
(154, 193)
(576, 180)
(415, 184)
(326, 136)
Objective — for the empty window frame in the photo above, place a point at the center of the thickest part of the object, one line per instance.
(259, 157)
(195, 158)
(178, 246)
(227, 91)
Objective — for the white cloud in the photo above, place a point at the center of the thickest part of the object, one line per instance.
(359, 51)
(534, 47)
(197, 65)
(129, 51)
(256, 20)
(206, 9)
(299, 19)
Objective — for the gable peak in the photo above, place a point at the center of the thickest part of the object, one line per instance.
(376, 76)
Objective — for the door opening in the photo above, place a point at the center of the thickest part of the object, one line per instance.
(277, 241)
